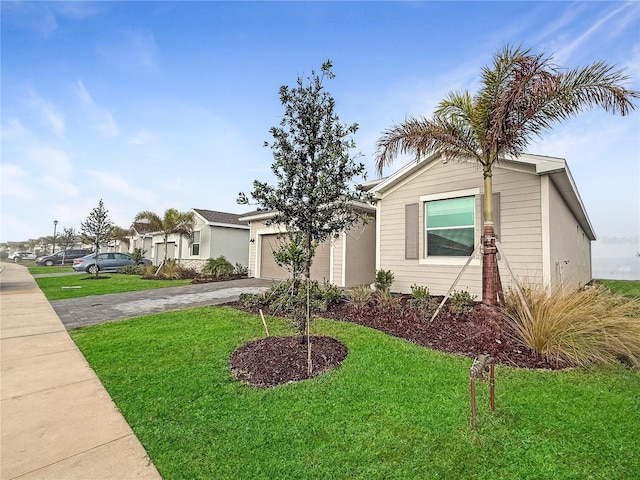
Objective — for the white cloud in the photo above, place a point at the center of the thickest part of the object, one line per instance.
(15, 182)
(133, 50)
(565, 52)
(61, 185)
(47, 111)
(50, 160)
(13, 129)
(101, 118)
(122, 186)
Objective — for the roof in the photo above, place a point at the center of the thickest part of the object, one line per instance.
(213, 217)
(141, 228)
(556, 168)
(258, 215)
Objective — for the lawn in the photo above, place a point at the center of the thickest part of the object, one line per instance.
(630, 288)
(58, 288)
(392, 410)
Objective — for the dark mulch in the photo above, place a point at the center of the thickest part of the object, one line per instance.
(479, 330)
(273, 361)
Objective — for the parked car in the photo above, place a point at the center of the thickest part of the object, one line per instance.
(56, 259)
(19, 256)
(105, 262)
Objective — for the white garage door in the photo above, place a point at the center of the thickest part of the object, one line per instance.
(269, 268)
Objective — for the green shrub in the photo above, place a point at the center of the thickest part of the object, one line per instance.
(461, 301)
(241, 270)
(138, 254)
(422, 301)
(360, 296)
(132, 270)
(586, 326)
(252, 300)
(384, 280)
(387, 301)
(218, 267)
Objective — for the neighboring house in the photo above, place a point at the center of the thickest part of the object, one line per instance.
(215, 234)
(141, 238)
(429, 221)
(346, 260)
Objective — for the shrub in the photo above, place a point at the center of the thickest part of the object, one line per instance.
(132, 270)
(422, 301)
(384, 280)
(218, 267)
(461, 301)
(360, 296)
(148, 271)
(241, 270)
(252, 300)
(188, 272)
(138, 254)
(387, 301)
(586, 326)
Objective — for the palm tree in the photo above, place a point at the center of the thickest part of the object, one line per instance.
(173, 222)
(520, 96)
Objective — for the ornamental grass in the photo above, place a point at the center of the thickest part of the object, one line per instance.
(586, 326)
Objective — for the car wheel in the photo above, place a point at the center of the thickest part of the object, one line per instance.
(93, 269)
(49, 263)
(16, 259)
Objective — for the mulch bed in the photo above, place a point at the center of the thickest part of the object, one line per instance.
(479, 330)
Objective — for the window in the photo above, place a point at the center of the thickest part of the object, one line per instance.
(195, 245)
(450, 227)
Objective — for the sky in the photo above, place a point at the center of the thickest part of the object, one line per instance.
(155, 105)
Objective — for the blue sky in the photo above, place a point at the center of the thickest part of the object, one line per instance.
(152, 105)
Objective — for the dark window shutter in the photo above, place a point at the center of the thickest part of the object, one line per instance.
(412, 231)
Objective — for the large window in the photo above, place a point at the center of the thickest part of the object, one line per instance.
(195, 246)
(450, 227)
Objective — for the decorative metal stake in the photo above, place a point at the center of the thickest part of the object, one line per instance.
(478, 371)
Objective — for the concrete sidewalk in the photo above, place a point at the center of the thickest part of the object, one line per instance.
(57, 420)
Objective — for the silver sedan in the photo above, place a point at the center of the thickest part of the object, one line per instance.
(105, 262)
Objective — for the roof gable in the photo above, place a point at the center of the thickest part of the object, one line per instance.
(555, 168)
(214, 217)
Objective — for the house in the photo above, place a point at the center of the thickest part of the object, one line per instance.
(215, 234)
(346, 260)
(540, 222)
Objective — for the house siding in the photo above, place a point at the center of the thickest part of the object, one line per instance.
(520, 226)
(570, 247)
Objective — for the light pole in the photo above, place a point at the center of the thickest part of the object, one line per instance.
(55, 224)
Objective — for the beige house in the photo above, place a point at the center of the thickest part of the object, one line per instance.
(346, 260)
(429, 222)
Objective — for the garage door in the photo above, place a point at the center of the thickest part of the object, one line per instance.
(159, 252)
(269, 268)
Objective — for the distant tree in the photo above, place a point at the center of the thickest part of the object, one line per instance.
(67, 239)
(521, 96)
(315, 193)
(173, 222)
(97, 227)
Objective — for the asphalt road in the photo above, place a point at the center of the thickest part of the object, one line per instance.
(84, 311)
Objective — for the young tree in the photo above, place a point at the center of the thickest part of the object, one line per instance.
(97, 227)
(314, 193)
(173, 222)
(68, 238)
(521, 96)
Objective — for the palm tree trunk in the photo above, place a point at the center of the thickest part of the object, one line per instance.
(489, 260)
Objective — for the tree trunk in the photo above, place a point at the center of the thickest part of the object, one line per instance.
(489, 260)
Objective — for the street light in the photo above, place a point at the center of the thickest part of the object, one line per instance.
(55, 224)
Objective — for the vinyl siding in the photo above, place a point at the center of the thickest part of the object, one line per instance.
(520, 226)
(570, 248)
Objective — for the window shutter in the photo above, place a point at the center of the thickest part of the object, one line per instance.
(412, 231)
(496, 214)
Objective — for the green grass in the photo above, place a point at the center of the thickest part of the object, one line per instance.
(630, 288)
(54, 287)
(35, 270)
(392, 410)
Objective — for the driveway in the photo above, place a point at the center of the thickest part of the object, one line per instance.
(84, 311)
